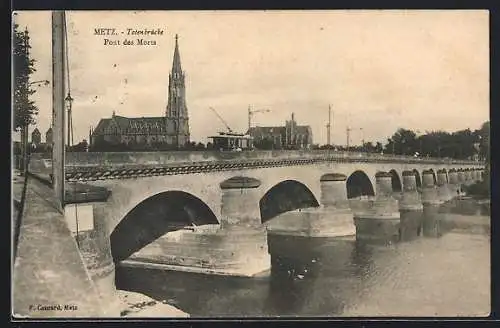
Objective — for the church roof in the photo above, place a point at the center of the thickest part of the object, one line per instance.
(36, 131)
(134, 125)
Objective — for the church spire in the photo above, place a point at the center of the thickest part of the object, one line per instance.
(177, 112)
(176, 65)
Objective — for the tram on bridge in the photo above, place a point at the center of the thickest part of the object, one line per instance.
(229, 141)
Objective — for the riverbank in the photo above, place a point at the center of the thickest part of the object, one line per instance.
(137, 305)
(479, 190)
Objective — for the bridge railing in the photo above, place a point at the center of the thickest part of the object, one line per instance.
(94, 159)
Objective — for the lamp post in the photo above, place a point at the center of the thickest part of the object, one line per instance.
(69, 104)
(419, 136)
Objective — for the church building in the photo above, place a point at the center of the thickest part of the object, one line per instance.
(171, 130)
(290, 136)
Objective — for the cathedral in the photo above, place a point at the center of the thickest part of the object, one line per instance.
(171, 130)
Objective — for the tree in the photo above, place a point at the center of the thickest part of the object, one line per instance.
(484, 141)
(25, 109)
(436, 144)
(403, 142)
(368, 147)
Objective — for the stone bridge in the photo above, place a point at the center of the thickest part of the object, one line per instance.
(150, 194)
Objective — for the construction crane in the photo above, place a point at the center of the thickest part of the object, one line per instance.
(222, 120)
(251, 112)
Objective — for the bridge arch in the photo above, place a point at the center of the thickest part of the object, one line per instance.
(359, 184)
(418, 179)
(446, 175)
(285, 196)
(395, 181)
(155, 216)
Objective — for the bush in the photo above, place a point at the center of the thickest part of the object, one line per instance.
(479, 190)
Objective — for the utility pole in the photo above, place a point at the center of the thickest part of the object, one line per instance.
(58, 91)
(328, 126)
(249, 117)
(24, 127)
(347, 131)
(68, 99)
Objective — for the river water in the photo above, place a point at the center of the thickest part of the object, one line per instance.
(425, 276)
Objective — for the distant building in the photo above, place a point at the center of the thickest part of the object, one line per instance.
(48, 136)
(36, 140)
(141, 132)
(36, 137)
(290, 136)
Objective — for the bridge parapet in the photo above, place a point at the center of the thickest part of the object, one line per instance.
(103, 166)
(180, 157)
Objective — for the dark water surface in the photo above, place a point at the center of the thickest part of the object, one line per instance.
(444, 276)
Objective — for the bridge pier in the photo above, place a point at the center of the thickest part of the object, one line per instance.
(442, 186)
(241, 227)
(477, 175)
(410, 208)
(381, 222)
(473, 175)
(462, 178)
(470, 176)
(431, 206)
(236, 247)
(444, 193)
(482, 175)
(337, 218)
(453, 183)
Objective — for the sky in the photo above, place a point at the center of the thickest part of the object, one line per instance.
(380, 70)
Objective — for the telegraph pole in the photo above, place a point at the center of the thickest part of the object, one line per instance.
(347, 131)
(58, 92)
(328, 126)
(24, 127)
(249, 118)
